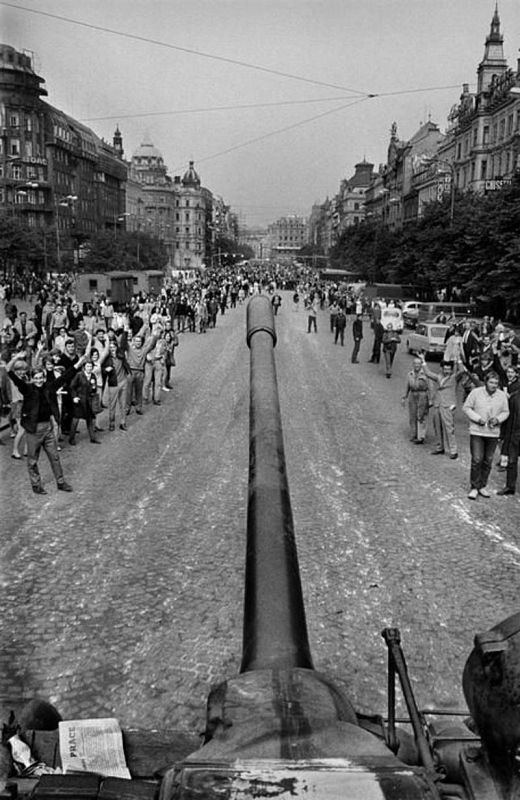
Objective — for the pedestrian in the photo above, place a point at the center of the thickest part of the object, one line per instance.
(39, 404)
(276, 302)
(340, 323)
(357, 333)
(333, 311)
(83, 389)
(417, 394)
(511, 442)
(511, 386)
(389, 341)
(444, 404)
(486, 408)
(135, 354)
(378, 340)
(21, 369)
(312, 313)
(296, 300)
(115, 371)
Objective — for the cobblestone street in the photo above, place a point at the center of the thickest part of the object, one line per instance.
(124, 598)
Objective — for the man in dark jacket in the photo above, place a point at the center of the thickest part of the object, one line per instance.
(357, 333)
(38, 406)
(378, 340)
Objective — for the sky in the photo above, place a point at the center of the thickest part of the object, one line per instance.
(268, 97)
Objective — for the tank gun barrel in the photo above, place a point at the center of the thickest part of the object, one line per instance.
(275, 629)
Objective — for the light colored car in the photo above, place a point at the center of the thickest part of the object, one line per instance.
(410, 311)
(427, 338)
(391, 315)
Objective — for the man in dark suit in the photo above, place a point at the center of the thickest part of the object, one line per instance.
(38, 406)
(470, 344)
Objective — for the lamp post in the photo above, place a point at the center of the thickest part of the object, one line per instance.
(64, 202)
(119, 218)
(444, 163)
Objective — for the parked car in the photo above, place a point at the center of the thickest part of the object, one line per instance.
(391, 315)
(427, 338)
(410, 311)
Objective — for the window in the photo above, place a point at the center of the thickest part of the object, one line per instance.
(28, 124)
(187, 216)
(485, 134)
(14, 120)
(92, 284)
(14, 147)
(483, 170)
(17, 172)
(29, 149)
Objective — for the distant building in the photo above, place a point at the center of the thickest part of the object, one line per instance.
(351, 196)
(287, 236)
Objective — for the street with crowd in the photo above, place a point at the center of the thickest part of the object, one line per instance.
(123, 597)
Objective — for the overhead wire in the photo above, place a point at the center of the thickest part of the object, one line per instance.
(180, 48)
(278, 130)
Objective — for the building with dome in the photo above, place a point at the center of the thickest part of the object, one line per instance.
(178, 211)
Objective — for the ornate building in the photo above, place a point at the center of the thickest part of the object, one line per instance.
(287, 236)
(56, 174)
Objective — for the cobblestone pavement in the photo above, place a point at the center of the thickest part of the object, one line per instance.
(125, 597)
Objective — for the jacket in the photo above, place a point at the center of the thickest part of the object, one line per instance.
(31, 397)
(481, 405)
(82, 388)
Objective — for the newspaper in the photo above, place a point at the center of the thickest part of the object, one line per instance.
(93, 745)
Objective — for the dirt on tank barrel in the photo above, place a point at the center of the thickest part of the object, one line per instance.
(280, 728)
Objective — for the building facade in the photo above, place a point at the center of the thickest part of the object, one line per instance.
(56, 174)
(287, 236)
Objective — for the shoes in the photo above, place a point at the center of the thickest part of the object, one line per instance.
(138, 411)
(157, 402)
(72, 441)
(39, 490)
(388, 375)
(418, 441)
(122, 427)
(505, 490)
(95, 441)
(473, 494)
(15, 455)
(454, 455)
(484, 492)
(65, 487)
(500, 468)
(166, 389)
(437, 452)
(355, 362)
(112, 427)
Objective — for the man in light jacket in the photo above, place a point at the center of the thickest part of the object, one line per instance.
(486, 408)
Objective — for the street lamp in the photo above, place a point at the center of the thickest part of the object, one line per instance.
(64, 202)
(444, 163)
(119, 218)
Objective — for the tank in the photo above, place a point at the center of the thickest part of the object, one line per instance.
(282, 729)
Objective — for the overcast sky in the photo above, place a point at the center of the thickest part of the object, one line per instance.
(177, 63)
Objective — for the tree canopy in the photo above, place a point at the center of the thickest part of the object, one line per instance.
(478, 251)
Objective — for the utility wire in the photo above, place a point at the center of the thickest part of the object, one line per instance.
(218, 108)
(276, 132)
(189, 50)
(204, 109)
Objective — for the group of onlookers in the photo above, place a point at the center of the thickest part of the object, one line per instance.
(479, 368)
(64, 362)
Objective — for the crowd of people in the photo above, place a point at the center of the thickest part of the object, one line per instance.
(64, 362)
(479, 371)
